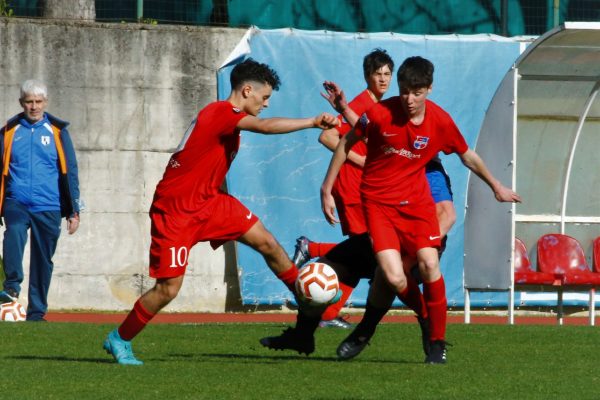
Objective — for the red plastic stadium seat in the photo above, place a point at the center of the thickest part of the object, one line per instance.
(563, 256)
(524, 274)
(596, 256)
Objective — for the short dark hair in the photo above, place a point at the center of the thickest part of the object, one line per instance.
(250, 70)
(376, 59)
(415, 72)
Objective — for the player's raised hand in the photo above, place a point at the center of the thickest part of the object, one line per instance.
(326, 121)
(328, 208)
(335, 96)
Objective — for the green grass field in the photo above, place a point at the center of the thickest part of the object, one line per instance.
(66, 361)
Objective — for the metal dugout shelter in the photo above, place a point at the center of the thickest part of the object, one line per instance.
(541, 134)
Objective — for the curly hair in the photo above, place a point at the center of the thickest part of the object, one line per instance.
(250, 70)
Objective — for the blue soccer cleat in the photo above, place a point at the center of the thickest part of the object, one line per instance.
(120, 349)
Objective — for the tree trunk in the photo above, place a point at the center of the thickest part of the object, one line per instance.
(69, 9)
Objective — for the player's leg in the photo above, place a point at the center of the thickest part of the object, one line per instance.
(441, 191)
(389, 278)
(352, 221)
(149, 304)
(261, 240)
(299, 338)
(352, 260)
(229, 219)
(305, 250)
(118, 342)
(331, 317)
(379, 301)
(171, 240)
(446, 215)
(434, 291)
(389, 281)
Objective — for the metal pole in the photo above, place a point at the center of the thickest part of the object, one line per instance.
(140, 9)
(556, 13)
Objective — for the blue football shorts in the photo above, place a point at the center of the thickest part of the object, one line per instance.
(439, 182)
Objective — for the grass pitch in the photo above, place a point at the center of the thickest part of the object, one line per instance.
(212, 361)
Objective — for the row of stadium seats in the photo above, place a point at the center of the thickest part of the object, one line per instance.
(561, 266)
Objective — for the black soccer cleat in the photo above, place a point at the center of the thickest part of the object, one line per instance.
(352, 345)
(437, 352)
(424, 325)
(290, 339)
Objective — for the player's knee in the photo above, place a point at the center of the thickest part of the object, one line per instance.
(397, 281)
(167, 290)
(429, 267)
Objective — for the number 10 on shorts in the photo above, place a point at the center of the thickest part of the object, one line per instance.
(179, 256)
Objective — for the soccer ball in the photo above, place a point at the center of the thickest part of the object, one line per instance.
(317, 283)
(12, 312)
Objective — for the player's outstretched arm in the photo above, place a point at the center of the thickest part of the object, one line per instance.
(337, 99)
(337, 160)
(503, 194)
(330, 138)
(277, 125)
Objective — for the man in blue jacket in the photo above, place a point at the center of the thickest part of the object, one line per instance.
(39, 185)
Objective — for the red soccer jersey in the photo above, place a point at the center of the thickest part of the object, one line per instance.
(198, 167)
(347, 185)
(398, 150)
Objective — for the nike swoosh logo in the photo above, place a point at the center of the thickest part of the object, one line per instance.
(389, 134)
(249, 215)
(433, 237)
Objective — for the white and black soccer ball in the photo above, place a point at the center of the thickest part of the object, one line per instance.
(317, 283)
(12, 312)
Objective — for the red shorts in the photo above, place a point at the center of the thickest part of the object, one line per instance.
(403, 228)
(352, 218)
(221, 219)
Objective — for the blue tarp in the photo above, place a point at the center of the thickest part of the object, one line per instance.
(278, 177)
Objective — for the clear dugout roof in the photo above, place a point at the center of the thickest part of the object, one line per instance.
(558, 126)
(573, 53)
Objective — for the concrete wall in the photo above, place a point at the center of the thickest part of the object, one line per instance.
(129, 91)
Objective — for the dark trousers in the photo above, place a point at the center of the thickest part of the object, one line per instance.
(45, 230)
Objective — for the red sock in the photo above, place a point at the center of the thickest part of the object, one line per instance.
(413, 298)
(136, 320)
(289, 277)
(333, 310)
(437, 305)
(319, 249)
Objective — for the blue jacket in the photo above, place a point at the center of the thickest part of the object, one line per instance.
(39, 166)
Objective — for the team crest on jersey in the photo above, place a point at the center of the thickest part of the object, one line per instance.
(420, 142)
(45, 140)
(236, 110)
(363, 120)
